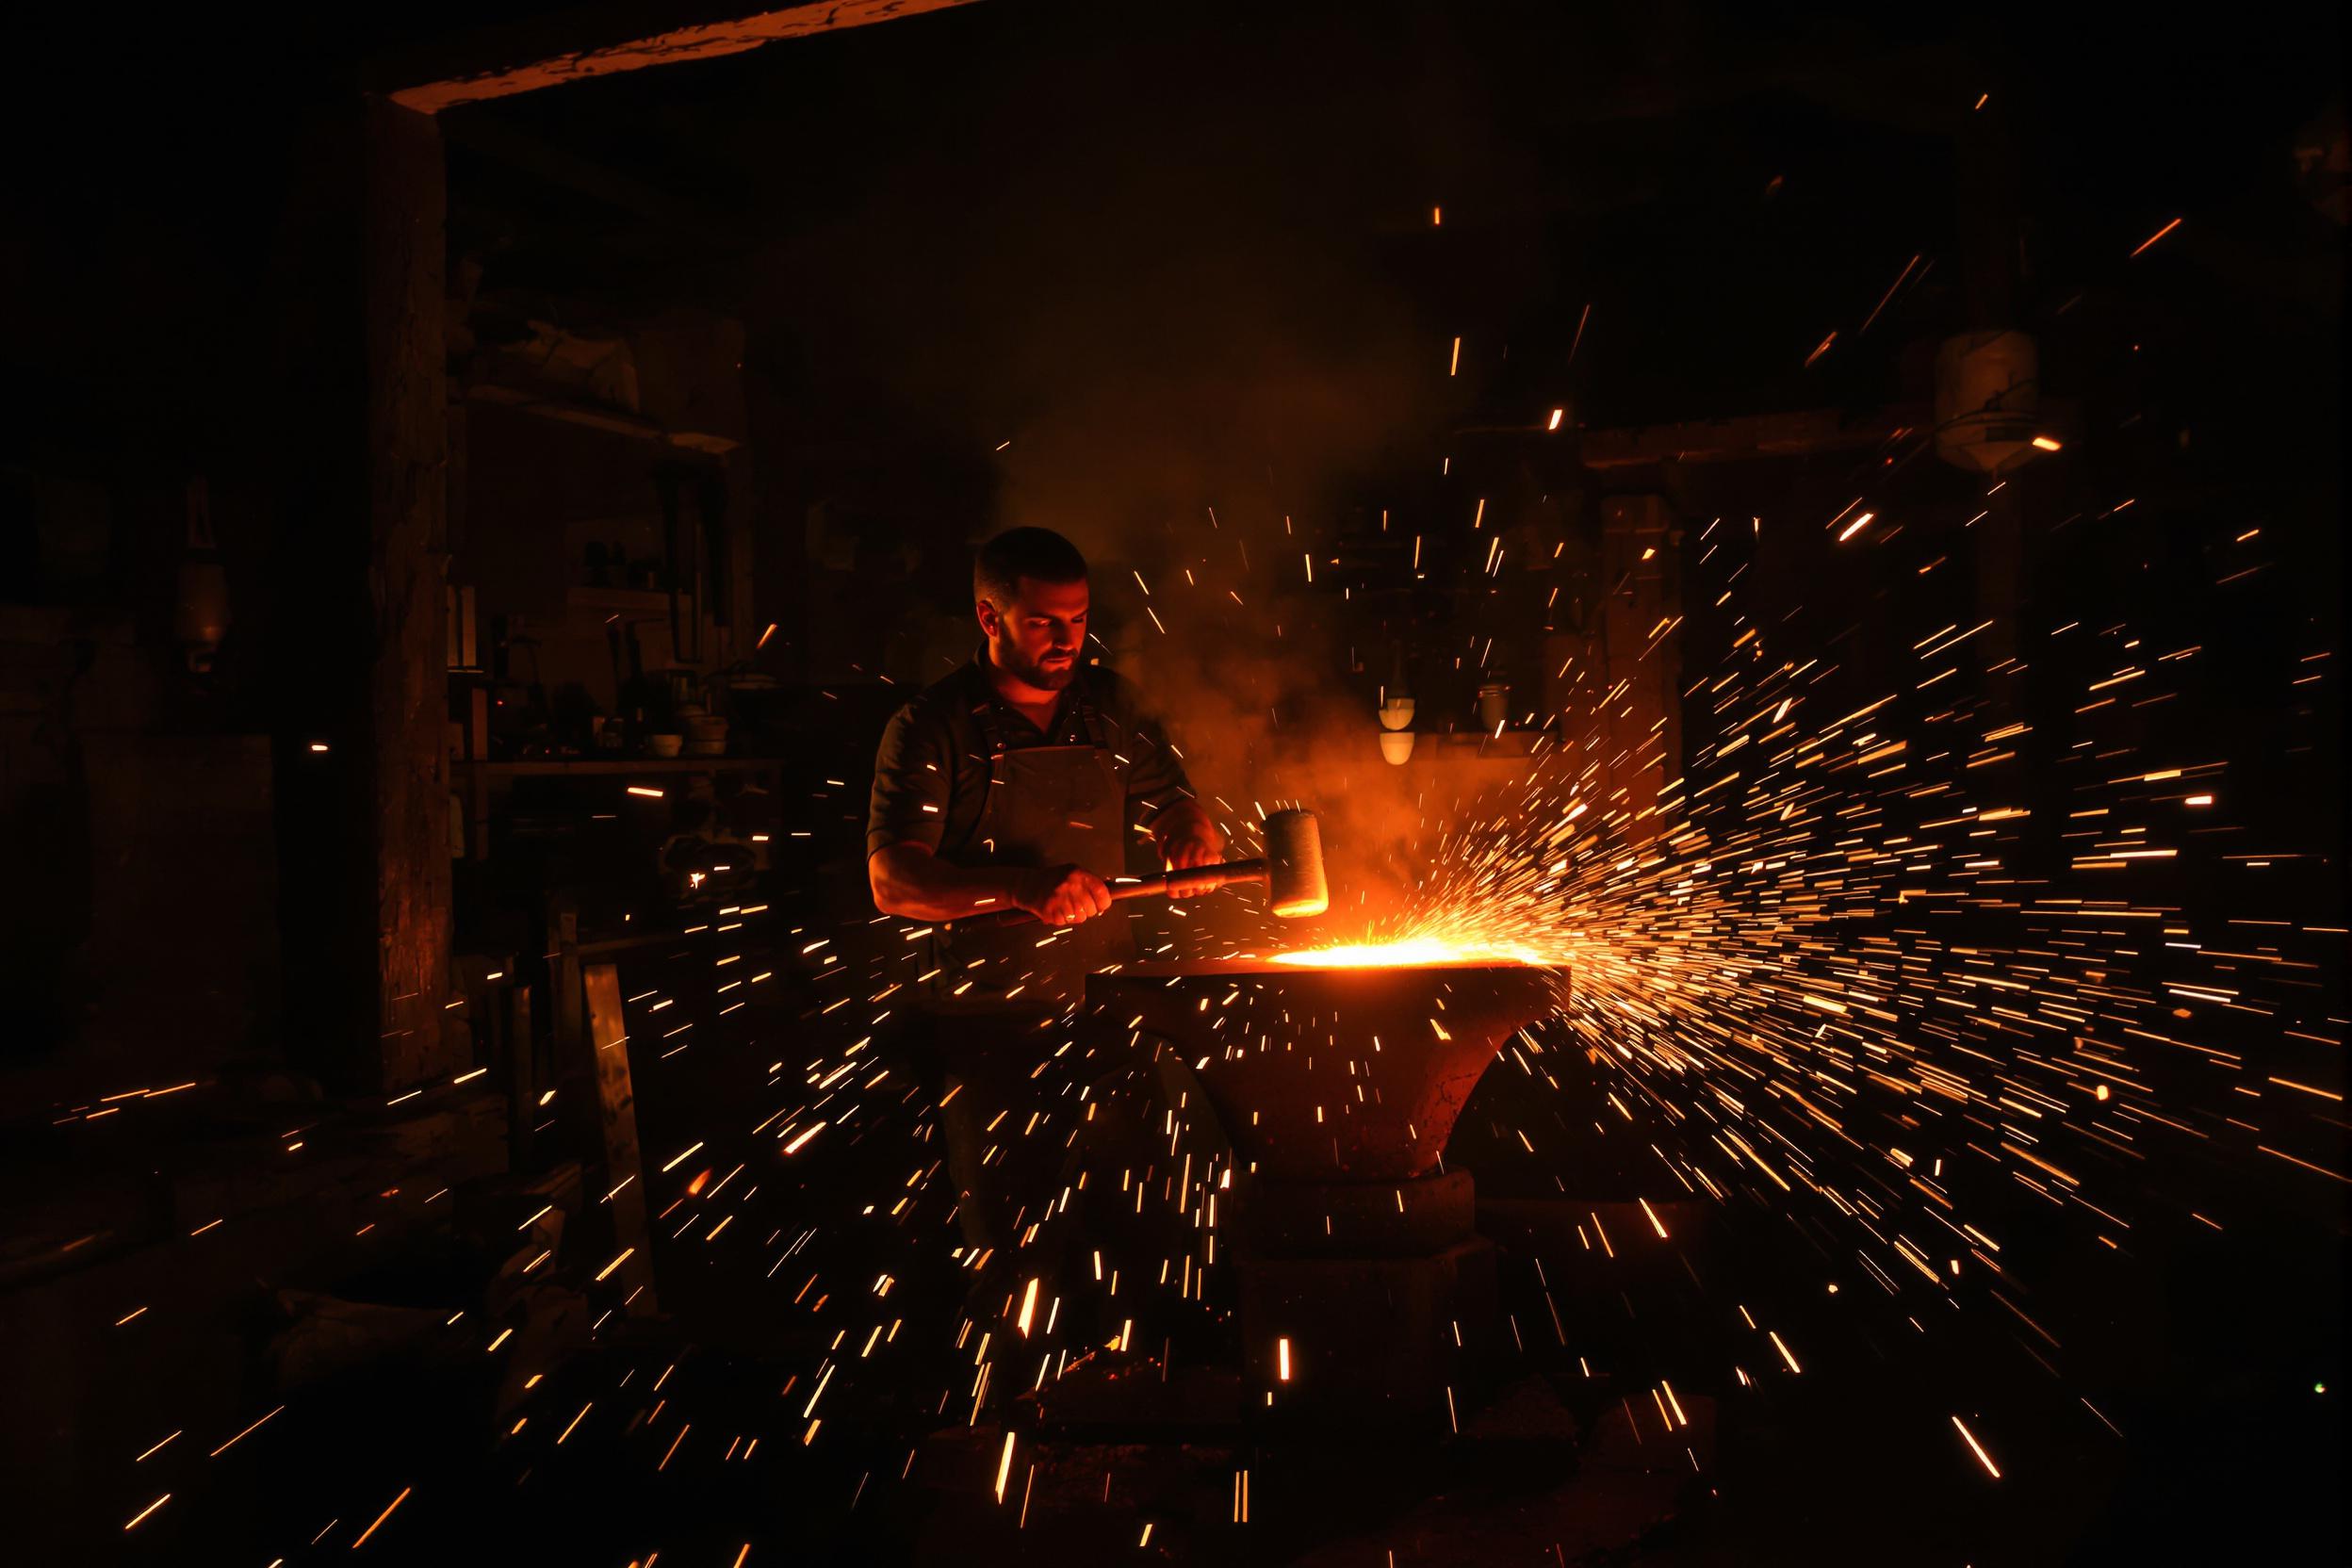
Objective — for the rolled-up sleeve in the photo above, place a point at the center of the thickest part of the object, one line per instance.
(911, 783)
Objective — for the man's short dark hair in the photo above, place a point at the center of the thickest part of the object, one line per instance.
(1019, 552)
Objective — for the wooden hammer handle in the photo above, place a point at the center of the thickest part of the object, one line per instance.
(1195, 879)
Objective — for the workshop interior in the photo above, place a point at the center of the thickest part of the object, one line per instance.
(965, 782)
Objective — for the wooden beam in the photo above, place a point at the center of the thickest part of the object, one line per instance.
(605, 41)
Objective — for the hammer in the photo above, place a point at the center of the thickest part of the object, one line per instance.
(1292, 871)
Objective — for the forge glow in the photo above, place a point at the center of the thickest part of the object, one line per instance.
(1409, 953)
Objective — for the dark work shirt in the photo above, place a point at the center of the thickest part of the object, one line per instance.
(931, 775)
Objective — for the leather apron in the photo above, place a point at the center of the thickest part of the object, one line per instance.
(1046, 805)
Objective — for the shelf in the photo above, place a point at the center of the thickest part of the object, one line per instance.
(478, 779)
(610, 420)
(651, 599)
(605, 947)
(592, 767)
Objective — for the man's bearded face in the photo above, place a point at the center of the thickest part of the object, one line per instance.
(1038, 635)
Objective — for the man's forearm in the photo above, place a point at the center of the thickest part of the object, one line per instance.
(911, 881)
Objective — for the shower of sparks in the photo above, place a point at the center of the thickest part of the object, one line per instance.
(1835, 968)
(1828, 970)
(1978, 1448)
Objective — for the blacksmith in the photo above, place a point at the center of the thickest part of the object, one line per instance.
(1019, 782)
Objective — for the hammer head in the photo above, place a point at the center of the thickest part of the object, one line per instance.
(1294, 865)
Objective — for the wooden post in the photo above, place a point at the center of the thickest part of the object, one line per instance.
(356, 622)
(617, 1120)
(563, 984)
(403, 244)
(522, 1084)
